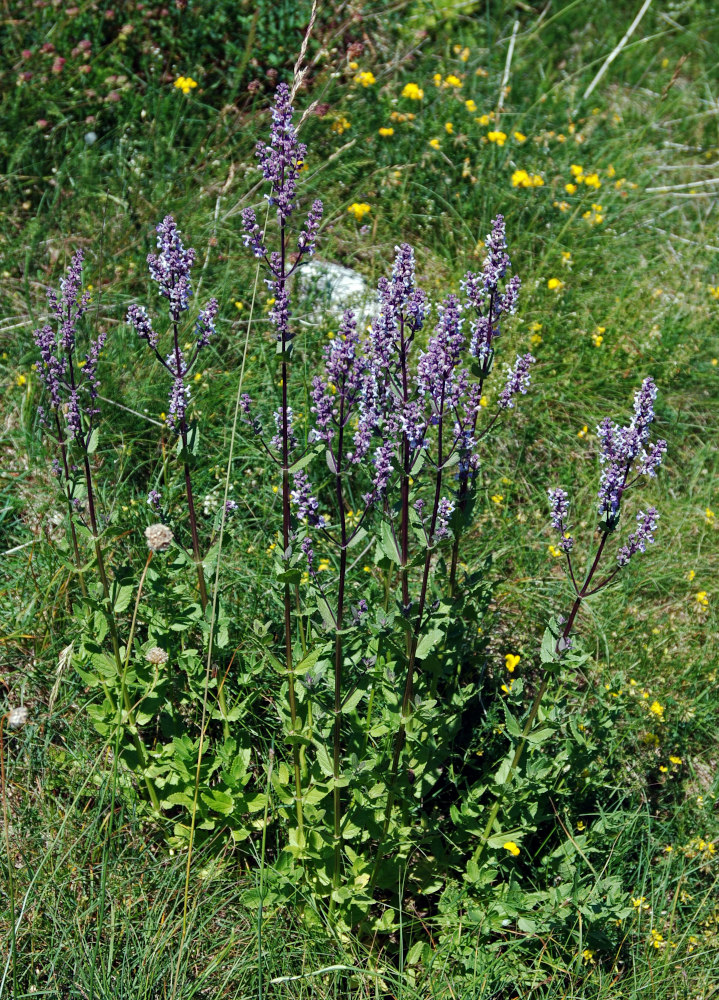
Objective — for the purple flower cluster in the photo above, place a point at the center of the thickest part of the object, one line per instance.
(484, 296)
(302, 499)
(624, 452)
(622, 446)
(66, 380)
(639, 539)
(281, 159)
(559, 505)
(171, 269)
(518, 379)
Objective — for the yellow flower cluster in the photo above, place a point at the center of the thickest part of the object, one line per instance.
(511, 847)
(340, 125)
(511, 660)
(386, 132)
(401, 116)
(365, 78)
(185, 84)
(594, 216)
(555, 285)
(412, 92)
(359, 209)
(714, 291)
(520, 178)
(499, 137)
(449, 81)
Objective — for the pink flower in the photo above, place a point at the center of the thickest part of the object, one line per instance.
(58, 64)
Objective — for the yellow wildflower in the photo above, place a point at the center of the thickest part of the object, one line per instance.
(656, 709)
(449, 127)
(185, 84)
(434, 143)
(499, 137)
(577, 171)
(413, 92)
(482, 120)
(437, 79)
(511, 660)
(702, 598)
(570, 188)
(20, 380)
(598, 339)
(452, 81)
(535, 340)
(588, 956)
(511, 847)
(592, 180)
(365, 78)
(386, 131)
(340, 125)
(714, 291)
(359, 210)
(470, 106)
(519, 136)
(483, 401)
(554, 284)
(583, 432)
(497, 498)
(709, 515)
(554, 551)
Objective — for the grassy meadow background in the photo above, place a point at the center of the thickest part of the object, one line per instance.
(612, 221)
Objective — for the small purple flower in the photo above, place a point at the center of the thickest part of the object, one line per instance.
(518, 379)
(306, 546)
(154, 499)
(639, 539)
(445, 509)
(230, 506)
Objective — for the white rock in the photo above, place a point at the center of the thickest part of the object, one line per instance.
(328, 289)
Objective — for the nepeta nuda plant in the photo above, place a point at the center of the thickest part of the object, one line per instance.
(171, 269)
(72, 387)
(280, 161)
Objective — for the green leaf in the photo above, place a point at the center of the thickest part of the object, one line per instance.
(218, 801)
(512, 725)
(93, 442)
(427, 643)
(324, 760)
(123, 596)
(308, 456)
(548, 652)
(326, 612)
(388, 544)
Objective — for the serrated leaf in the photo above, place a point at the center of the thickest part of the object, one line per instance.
(388, 545)
(324, 760)
(512, 725)
(303, 462)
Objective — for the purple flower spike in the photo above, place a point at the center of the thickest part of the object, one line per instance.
(137, 317)
(171, 267)
(205, 325)
(518, 379)
(252, 235)
(559, 507)
(307, 240)
(639, 539)
(306, 546)
(281, 160)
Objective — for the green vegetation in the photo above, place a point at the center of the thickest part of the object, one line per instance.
(423, 131)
